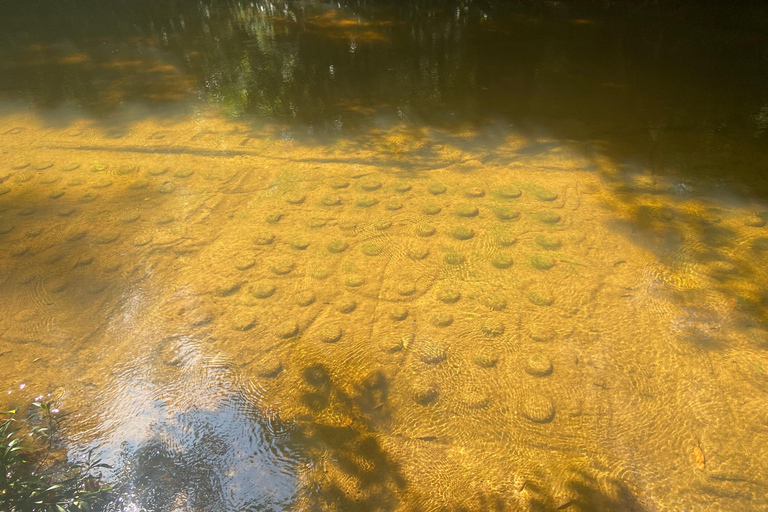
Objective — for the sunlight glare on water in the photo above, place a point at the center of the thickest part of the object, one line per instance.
(472, 256)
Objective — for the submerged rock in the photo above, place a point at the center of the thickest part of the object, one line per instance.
(331, 334)
(437, 189)
(541, 298)
(493, 328)
(538, 365)
(547, 217)
(508, 192)
(449, 296)
(424, 393)
(370, 185)
(337, 246)
(474, 192)
(346, 306)
(425, 230)
(542, 261)
(486, 358)
(398, 313)
(548, 242)
(501, 261)
(442, 319)
(371, 249)
(538, 408)
(542, 194)
(466, 210)
(462, 233)
(263, 290)
(367, 202)
(433, 353)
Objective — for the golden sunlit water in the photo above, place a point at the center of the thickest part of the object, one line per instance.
(307, 256)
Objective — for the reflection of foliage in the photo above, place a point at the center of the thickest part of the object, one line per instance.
(30, 479)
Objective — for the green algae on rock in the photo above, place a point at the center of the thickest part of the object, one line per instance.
(393, 205)
(431, 209)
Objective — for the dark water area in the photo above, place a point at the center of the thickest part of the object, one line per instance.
(402, 256)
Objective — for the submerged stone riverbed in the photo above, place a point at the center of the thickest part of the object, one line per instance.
(404, 317)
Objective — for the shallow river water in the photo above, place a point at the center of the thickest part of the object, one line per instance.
(435, 256)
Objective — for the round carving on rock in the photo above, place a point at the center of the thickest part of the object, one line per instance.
(537, 408)
(331, 334)
(538, 365)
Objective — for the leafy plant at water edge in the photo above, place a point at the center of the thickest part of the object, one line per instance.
(31, 480)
